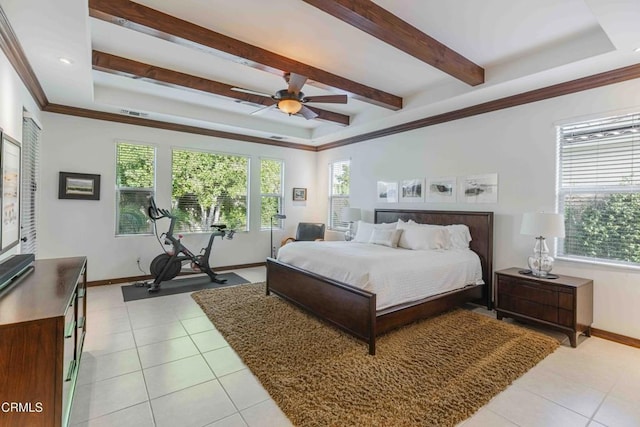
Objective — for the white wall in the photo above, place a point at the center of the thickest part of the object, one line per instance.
(14, 98)
(78, 227)
(520, 145)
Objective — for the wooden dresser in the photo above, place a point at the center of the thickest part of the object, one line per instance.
(564, 304)
(42, 328)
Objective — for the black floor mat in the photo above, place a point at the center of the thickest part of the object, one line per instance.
(179, 285)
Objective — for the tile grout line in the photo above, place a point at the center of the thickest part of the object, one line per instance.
(144, 377)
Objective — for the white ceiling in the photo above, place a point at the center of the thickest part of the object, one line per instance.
(521, 44)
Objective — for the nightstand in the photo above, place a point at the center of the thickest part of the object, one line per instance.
(564, 304)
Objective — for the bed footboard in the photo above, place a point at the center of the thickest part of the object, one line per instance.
(346, 307)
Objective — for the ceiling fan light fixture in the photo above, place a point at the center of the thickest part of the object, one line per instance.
(290, 106)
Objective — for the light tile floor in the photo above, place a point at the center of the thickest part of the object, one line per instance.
(161, 362)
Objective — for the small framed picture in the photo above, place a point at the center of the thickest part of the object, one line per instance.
(299, 194)
(82, 186)
(387, 192)
(412, 190)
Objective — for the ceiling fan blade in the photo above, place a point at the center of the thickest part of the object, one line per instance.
(250, 92)
(296, 81)
(262, 110)
(307, 113)
(328, 99)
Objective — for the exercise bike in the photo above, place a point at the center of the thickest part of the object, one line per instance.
(167, 265)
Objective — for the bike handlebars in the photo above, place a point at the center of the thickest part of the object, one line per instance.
(156, 213)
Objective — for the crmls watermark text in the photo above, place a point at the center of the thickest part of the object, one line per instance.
(21, 407)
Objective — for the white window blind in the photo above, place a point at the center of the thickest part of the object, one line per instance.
(599, 189)
(339, 176)
(271, 194)
(30, 167)
(135, 184)
(209, 188)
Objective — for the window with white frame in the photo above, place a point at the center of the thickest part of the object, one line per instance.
(271, 194)
(599, 190)
(135, 184)
(339, 181)
(209, 188)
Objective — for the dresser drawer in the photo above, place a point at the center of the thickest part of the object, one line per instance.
(547, 295)
(528, 308)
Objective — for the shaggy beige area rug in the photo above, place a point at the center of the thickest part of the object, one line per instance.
(436, 372)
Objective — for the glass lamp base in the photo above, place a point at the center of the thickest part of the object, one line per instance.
(540, 265)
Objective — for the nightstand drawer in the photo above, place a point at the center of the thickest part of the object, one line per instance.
(565, 318)
(547, 295)
(565, 300)
(528, 308)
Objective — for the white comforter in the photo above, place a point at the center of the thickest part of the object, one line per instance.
(396, 276)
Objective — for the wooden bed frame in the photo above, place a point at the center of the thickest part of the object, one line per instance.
(354, 310)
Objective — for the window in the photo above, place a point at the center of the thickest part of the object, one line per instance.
(209, 189)
(338, 193)
(31, 133)
(135, 183)
(271, 198)
(599, 190)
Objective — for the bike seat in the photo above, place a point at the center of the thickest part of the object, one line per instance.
(219, 226)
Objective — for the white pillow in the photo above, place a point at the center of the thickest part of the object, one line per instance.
(459, 235)
(365, 230)
(385, 237)
(423, 236)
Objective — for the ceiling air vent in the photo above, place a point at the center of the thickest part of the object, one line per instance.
(134, 113)
(253, 104)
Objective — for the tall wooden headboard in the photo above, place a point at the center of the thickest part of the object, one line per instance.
(480, 225)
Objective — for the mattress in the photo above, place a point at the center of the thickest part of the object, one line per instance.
(397, 276)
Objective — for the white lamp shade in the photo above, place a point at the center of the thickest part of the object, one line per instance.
(351, 214)
(542, 224)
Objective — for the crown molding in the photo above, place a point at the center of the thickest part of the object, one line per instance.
(11, 47)
(157, 124)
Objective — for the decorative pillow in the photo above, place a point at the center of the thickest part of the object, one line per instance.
(459, 235)
(423, 236)
(365, 230)
(385, 237)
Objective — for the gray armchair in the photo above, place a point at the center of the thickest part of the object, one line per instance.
(306, 231)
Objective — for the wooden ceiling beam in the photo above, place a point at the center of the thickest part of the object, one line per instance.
(155, 23)
(380, 23)
(112, 64)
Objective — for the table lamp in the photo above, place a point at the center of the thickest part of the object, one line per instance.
(350, 215)
(542, 225)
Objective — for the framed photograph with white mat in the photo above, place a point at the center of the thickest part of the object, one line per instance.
(442, 189)
(412, 190)
(479, 188)
(387, 192)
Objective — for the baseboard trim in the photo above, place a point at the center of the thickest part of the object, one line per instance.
(147, 277)
(621, 339)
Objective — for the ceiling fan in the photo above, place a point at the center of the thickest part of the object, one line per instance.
(291, 100)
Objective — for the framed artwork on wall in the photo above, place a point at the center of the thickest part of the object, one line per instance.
(479, 188)
(10, 159)
(412, 190)
(299, 194)
(442, 189)
(387, 192)
(79, 186)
